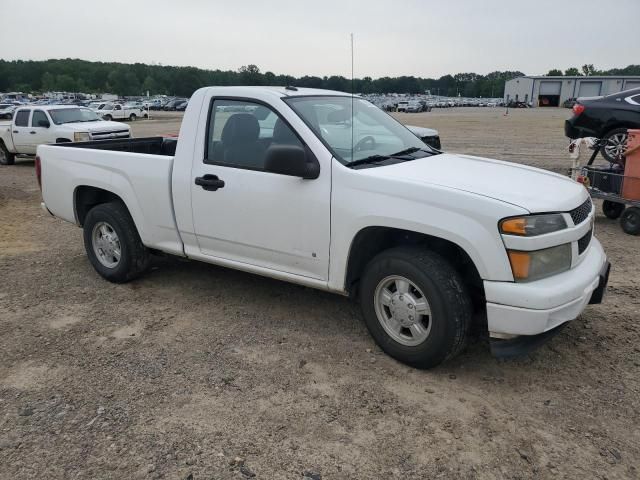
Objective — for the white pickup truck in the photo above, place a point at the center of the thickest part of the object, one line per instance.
(326, 190)
(115, 111)
(34, 125)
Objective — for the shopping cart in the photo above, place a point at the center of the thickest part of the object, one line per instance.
(618, 185)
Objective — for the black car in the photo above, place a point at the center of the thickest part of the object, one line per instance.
(607, 118)
(171, 105)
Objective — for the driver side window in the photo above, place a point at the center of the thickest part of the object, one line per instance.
(240, 132)
(38, 116)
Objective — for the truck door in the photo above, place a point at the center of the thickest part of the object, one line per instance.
(258, 218)
(20, 131)
(40, 131)
(118, 112)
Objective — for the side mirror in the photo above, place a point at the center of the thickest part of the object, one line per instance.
(292, 160)
(44, 123)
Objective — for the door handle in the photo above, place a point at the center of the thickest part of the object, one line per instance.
(32, 133)
(16, 131)
(210, 183)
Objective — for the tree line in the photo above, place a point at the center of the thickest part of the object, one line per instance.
(74, 75)
(589, 70)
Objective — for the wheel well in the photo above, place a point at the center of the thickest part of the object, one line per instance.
(371, 241)
(611, 128)
(85, 198)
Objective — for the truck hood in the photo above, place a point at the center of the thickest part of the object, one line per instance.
(422, 131)
(101, 126)
(530, 188)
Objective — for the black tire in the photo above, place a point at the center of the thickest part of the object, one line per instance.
(608, 141)
(108, 118)
(132, 117)
(134, 256)
(6, 157)
(612, 210)
(630, 221)
(445, 292)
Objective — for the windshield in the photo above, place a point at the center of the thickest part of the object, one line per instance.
(369, 132)
(73, 115)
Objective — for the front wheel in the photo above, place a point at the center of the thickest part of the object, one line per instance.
(415, 306)
(113, 244)
(132, 117)
(630, 221)
(612, 210)
(108, 118)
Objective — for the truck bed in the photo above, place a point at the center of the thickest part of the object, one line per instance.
(137, 170)
(149, 145)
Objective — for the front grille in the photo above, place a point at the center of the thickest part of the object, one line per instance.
(114, 134)
(580, 214)
(584, 242)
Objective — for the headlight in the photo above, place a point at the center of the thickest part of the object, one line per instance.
(81, 137)
(530, 266)
(533, 225)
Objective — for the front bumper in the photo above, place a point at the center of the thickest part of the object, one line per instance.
(534, 308)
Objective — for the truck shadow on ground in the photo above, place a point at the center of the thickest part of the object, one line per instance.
(280, 305)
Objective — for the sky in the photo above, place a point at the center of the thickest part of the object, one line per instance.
(391, 37)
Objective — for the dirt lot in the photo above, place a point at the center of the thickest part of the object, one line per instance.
(177, 374)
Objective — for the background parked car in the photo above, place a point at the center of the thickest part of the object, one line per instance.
(182, 106)
(569, 102)
(607, 118)
(6, 110)
(171, 105)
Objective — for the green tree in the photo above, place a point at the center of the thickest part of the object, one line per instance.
(65, 83)
(572, 72)
(588, 70)
(48, 82)
(554, 72)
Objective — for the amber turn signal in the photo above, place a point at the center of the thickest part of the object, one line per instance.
(520, 264)
(514, 226)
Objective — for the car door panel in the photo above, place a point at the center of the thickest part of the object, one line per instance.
(39, 135)
(264, 219)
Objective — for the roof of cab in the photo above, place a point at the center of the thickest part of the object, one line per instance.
(286, 92)
(48, 107)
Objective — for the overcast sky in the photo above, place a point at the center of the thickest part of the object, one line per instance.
(299, 37)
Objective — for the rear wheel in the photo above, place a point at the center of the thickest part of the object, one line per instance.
(612, 210)
(615, 144)
(113, 244)
(415, 306)
(630, 221)
(6, 157)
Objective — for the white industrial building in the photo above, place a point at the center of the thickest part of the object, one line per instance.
(545, 91)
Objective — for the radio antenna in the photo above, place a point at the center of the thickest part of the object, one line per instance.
(352, 113)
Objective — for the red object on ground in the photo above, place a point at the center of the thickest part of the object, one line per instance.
(631, 184)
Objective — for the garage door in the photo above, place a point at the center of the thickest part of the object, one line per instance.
(589, 89)
(629, 84)
(550, 88)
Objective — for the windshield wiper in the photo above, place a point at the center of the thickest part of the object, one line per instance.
(369, 159)
(406, 151)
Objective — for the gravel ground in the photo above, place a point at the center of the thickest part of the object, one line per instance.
(200, 372)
